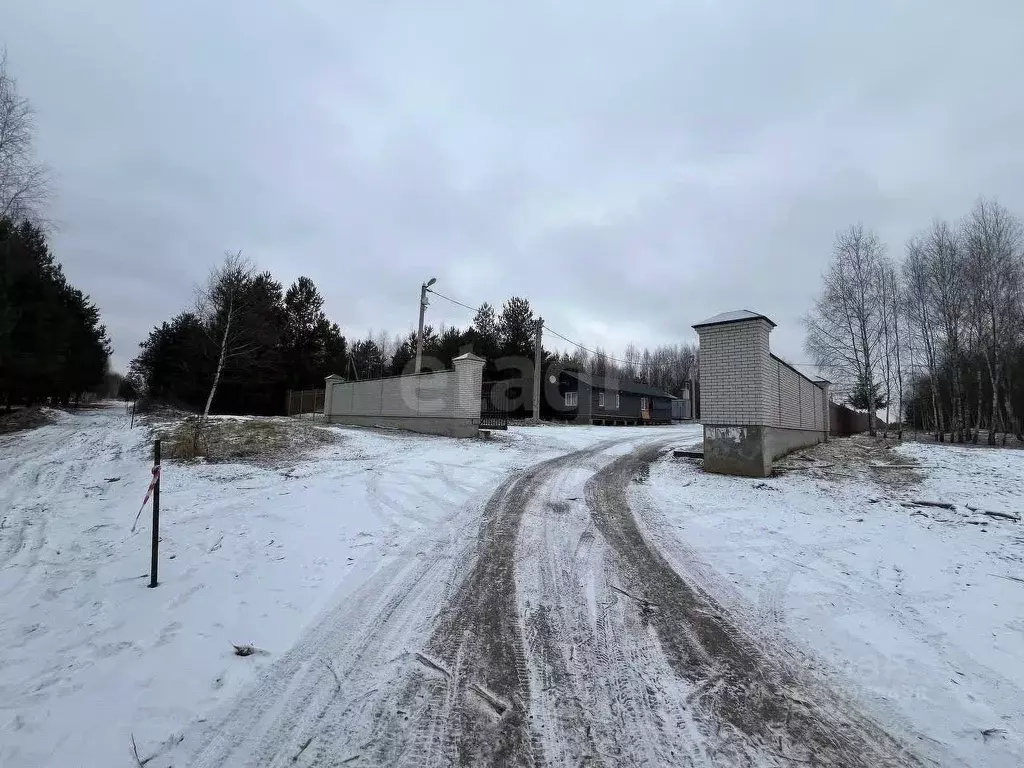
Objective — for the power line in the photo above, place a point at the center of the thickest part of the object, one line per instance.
(604, 355)
(453, 301)
(555, 333)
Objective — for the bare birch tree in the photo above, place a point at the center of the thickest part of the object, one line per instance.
(947, 291)
(920, 312)
(992, 240)
(24, 182)
(633, 357)
(221, 304)
(888, 310)
(843, 328)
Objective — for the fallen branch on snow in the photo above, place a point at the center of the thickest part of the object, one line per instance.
(1003, 515)
(994, 513)
(925, 503)
(645, 605)
(135, 752)
(431, 664)
(495, 703)
(1008, 578)
(302, 749)
(337, 677)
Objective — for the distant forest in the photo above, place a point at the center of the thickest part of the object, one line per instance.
(247, 341)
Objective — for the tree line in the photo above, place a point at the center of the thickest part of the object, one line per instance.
(53, 347)
(936, 338)
(508, 336)
(671, 368)
(247, 341)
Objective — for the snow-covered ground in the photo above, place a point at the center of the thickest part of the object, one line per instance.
(916, 611)
(249, 555)
(337, 564)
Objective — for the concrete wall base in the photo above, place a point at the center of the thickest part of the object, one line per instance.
(429, 425)
(783, 441)
(736, 450)
(749, 450)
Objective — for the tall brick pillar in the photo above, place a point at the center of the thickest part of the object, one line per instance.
(469, 372)
(734, 387)
(329, 383)
(826, 415)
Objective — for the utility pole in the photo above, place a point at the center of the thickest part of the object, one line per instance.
(538, 359)
(419, 334)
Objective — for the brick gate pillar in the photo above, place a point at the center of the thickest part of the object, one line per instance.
(469, 374)
(734, 368)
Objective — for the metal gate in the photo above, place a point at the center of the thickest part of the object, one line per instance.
(493, 406)
(305, 401)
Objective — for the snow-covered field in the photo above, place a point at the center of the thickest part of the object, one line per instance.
(388, 576)
(919, 612)
(249, 555)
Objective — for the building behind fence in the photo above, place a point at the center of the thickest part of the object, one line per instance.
(754, 406)
(442, 403)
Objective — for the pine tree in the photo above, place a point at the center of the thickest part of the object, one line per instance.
(517, 328)
(52, 344)
(859, 397)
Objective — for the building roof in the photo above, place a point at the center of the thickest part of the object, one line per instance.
(618, 385)
(736, 316)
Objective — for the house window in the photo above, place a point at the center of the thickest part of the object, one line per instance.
(570, 399)
(616, 401)
(600, 399)
(643, 403)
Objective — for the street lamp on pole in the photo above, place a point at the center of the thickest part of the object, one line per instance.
(419, 334)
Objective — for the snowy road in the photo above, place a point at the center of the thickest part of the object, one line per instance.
(555, 636)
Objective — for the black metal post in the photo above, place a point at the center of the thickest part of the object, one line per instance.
(156, 516)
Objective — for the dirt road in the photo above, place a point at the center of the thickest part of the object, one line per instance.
(557, 635)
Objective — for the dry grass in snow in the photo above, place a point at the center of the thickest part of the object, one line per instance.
(261, 440)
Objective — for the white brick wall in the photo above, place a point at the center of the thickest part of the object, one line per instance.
(743, 384)
(448, 394)
(731, 356)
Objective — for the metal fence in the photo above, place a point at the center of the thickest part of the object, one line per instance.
(305, 401)
(494, 405)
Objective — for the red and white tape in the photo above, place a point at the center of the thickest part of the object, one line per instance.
(149, 492)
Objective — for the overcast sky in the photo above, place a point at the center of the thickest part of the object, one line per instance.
(630, 168)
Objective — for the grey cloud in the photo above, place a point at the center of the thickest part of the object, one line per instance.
(629, 168)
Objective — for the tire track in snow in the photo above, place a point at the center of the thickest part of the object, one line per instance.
(598, 692)
(43, 470)
(742, 685)
(479, 715)
(325, 687)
